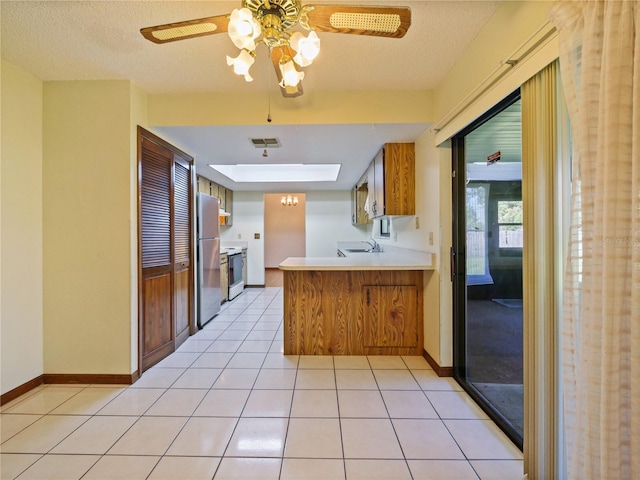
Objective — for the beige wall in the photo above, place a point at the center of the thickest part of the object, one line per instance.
(284, 229)
(512, 24)
(427, 237)
(318, 108)
(329, 221)
(21, 228)
(444, 268)
(87, 227)
(137, 116)
(248, 220)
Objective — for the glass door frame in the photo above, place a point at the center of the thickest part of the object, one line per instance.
(458, 267)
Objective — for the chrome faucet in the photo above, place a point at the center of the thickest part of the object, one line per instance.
(375, 247)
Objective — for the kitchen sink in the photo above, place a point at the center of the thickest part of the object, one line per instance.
(358, 250)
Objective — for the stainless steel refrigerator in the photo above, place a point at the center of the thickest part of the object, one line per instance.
(208, 258)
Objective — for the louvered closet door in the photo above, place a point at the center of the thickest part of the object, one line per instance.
(182, 249)
(156, 329)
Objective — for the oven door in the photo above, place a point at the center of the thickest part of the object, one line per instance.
(236, 285)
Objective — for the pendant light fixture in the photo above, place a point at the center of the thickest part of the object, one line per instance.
(289, 201)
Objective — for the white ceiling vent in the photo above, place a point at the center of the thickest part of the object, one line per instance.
(265, 142)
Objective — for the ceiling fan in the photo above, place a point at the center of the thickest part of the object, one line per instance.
(272, 23)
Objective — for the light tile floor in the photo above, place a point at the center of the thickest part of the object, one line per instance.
(229, 405)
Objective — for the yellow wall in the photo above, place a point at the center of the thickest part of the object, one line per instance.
(318, 108)
(427, 211)
(445, 347)
(284, 229)
(21, 228)
(506, 30)
(137, 116)
(87, 227)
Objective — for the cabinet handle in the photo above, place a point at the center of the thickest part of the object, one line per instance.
(368, 298)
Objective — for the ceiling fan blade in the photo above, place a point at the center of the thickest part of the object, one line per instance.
(390, 22)
(276, 54)
(172, 32)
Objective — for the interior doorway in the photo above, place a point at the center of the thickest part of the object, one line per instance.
(488, 252)
(284, 232)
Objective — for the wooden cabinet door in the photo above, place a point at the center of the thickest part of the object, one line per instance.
(362, 193)
(213, 189)
(229, 207)
(390, 316)
(399, 179)
(222, 196)
(391, 175)
(182, 251)
(156, 326)
(377, 199)
(203, 185)
(166, 299)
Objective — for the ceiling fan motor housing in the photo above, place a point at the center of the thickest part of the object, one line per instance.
(287, 11)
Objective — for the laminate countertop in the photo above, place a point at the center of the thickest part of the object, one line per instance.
(391, 258)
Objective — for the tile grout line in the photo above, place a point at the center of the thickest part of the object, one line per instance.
(286, 435)
(344, 459)
(241, 412)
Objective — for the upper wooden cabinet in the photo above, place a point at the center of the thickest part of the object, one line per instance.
(214, 189)
(393, 189)
(229, 208)
(204, 185)
(223, 194)
(359, 196)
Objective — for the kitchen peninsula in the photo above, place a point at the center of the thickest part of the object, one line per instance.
(361, 303)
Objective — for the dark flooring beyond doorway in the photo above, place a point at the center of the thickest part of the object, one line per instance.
(272, 277)
(494, 343)
(494, 355)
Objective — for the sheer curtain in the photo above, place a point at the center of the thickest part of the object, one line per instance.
(600, 65)
(540, 271)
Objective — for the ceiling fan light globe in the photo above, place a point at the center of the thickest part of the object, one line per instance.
(243, 29)
(307, 48)
(301, 60)
(290, 75)
(241, 64)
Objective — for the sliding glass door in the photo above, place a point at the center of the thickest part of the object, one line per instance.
(487, 261)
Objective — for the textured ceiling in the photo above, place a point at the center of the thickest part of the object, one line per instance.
(91, 40)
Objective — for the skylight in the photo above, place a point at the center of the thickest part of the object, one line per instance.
(280, 172)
